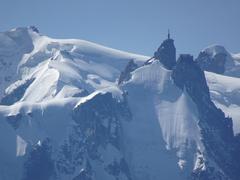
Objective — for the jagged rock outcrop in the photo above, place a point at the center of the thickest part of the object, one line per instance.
(215, 59)
(216, 129)
(95, 138)
(34, 28)
(166, 53)
(63, 117)
(16, 93)
(126, 74)
(39, 164)
(210, 63)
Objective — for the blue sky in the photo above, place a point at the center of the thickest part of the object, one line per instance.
(132, 25)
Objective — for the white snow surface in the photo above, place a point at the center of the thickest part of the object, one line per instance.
(61, 69)
(160, 110)
(64, 73)
(56, 63)
(161, 140)
(225, 92)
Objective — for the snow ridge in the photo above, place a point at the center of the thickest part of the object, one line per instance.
(92, 112)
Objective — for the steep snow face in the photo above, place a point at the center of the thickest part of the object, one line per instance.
(163, 137)
(225, 92)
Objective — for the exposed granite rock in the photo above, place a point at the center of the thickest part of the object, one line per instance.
(166, 53)
(213, 64)
(218, 60)
(17, 93)
(85, 174)
(96, 128)
(126, 74)
(39, 164)
(216, 129)
(34, 28)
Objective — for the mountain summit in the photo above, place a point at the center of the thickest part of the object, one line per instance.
(72, 109)
(166, 53)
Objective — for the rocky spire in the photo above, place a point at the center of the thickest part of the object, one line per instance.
(166, 53)
(215, 127)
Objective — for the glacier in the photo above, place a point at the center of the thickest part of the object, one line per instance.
(72, 109)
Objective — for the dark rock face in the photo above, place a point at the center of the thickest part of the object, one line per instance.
(85, 174)
(115, 168)
(166, 54)
(96, 126)
(94, 134)
(126, 74)
(214, 64)
(16, 94)
(216, 129)
(34, 28)
(93, 114)
(39, 164)
(208, 174)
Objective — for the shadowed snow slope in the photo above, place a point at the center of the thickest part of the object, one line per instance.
(63, 115)
(160, 109)
(42, 80)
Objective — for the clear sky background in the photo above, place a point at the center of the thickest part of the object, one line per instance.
(132, 25)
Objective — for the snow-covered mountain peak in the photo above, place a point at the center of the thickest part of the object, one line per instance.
(15, 40)
(217, 59)
(57, 66)
(79, 110)
(215, 49)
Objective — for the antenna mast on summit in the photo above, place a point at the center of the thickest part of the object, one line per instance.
(168, 34)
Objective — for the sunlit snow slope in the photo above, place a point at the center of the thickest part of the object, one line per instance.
(64, 114)
(42, 79)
